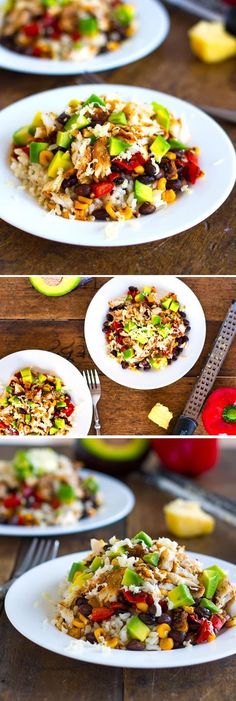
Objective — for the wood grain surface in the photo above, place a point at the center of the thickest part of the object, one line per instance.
(29, 672)
(30, 320)
(204, 249)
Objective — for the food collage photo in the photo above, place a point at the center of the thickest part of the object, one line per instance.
(117, 350)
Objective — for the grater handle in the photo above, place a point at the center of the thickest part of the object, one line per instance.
(184, 426)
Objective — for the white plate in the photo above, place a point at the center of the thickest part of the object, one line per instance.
(217, 160)
(30, 607)
(118, 502)
(153, 27)
(152, 379)
(76, 386)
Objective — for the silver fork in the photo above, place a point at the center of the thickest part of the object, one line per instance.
(39, 551)
(93, 382)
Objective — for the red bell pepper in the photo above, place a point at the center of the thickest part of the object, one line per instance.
(141, 598)
(217, 622)
(102, 189)
(134, 162)
(219, 413)
(69, 410)
(191, 172)
(32, 29)
(12, 502)
(101, 614)
(206, 630)
(187, 457)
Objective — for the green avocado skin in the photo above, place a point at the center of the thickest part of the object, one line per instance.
(66, 285)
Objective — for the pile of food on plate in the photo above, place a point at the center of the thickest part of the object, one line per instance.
(104, 159)
(144, 330)
(35, 403)
(40, 487)
(144, 594)
(75, 30)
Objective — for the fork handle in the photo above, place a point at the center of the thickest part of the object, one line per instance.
(97, 424)
(4, 588)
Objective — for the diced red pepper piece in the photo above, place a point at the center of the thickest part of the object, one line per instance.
(118, 605)
(192, 157)
(117, 325)
(212, 415)
(191, 172)
(69, 410)
(32, 29)
(12, 502)
(36, 52)
(75, 35)
(134, 162)
(217, 621)
(100, 614)
(206, 629)
(55, 503)
(102, 189)
(113, 176)
(21, 520)
(138, 598)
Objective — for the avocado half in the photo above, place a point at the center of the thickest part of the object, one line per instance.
(55, 285)
(114, 456)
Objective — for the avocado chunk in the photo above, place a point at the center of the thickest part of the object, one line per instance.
(156, 319)
(180, 596)
(22, 136)
(91, 484)
(53, 431)
(164, 331)
(81, 578)
(167, 302)
(130, 326)
(65, 493)
(116, 553)
(42, 378)
(158, 363)
(96, 563)
(129, 353)
(211, 578)
(174, 143)
(163, 115)
(76, 567)
(64, 139)
(131, 578)
(174, 306)
(124, 14)
(35, 149)
(137, 629)
(88, 25)
(37, 121)
(55, 285)
(143, 537)
(77, 121)
(117, 146)
(58, 384)
(118, 118)
(59, 423)
(207, 604)
(144, 193)
(152, 559)
(159, 147)
(26, 375)
(61, 160)
(94, 99)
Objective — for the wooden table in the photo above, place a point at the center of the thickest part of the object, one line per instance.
(206, 248)
(30, 320)
(28, 672)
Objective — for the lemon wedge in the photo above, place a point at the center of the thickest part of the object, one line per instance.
(210, 42)
(187, 519)
(160, 415)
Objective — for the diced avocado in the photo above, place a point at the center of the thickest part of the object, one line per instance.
(159, 147)
(80, 579)
(130, 325)
(144, 193)
(152, 559)
(124, 14)
(137, 629)
(94, 99)
(117, 146)
(96, 563)
(207, 604)
(37, 121)
(66, 493)
(77, 121)
(61, 405)
(61, 160)
(22, 136)
(9, 389)
(167, 302)
(26, 375)
(173, 143)
(164, 331)
(174, 306)
(143, 537)
(41, 378)
(15, 401)
(91, 484)
(27, 418)
(158, 363)
(59, 423)
(163, 115)
(118, 118)
(140, 296)
(3, 401)
(116, 553)
(180, 596)
(55, 286)
(211, 578)
(76, 567)
(156, 319)
(129, 353)
(88, 25)
(131, 578)
(58, 384)
(35, 149)
(63, 139)
(53, 431)
(147, 291)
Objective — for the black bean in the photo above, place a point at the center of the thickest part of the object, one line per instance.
(110, 317)
(100, 214)
(147, 619)
(90, 637)
(202, 612)
(152, 610)
(133, 289)
(119, 181)
(146, 179)
(184, 339)
(150, 169)
(80, 600)
(147, 208)
(188, 327)
(85, 609)
(197, 601)
(135, 645)
(69, 182)
(106, 326)
(183, 314)
(146, 365)
(194, 626)
(63, 118)
(160, 174)
(83, 190)
(124, 364)
(164, 618)
(178, 636)
(174, 184)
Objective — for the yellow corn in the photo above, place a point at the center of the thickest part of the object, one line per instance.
(142, 606)
(127, 213)
(112, 642)
(51, 205)
(65, 214)
(163, 629)
(150, 298)
(85, 200)
(169, 196)
(111, 211)
(171, 155)
(139, 170)
(83, 619)
(74, 633)
(113, 45)
(74, 103)
(80, 215)
(189, 609)
(98, 633)
(231, 623)
(80, 205)
(130, 31)
(77, 624)
(45, 157)
(211, 637)
(174, 177)
(161, 184)
(183, 627)
(167, 644)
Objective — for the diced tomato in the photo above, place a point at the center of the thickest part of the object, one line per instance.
(69, 410)
(100, 614)
(217, 621)
(206, 629)
(134, 162)
(138, 598)
(191, 172)
(12, 502)
(32, 29)
(102, 189)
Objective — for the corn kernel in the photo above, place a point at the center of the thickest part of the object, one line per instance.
(83, 619)
(74, 633)
(112, 642)
(130, 31)
(80, 215)
(77, 624)
(171, 155)
(113, 45)
(127, 213)
(65, 214)
(45, 157)
(111, 212)
(189, 609)
(169, 196)
(167, 644)
(183, 627)
(211, 637)
(231, 623)
(161, 184)
(139, 170)
(142, 606)
(85, 200)
(98, 633)
(163, 629)
(80, 205)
